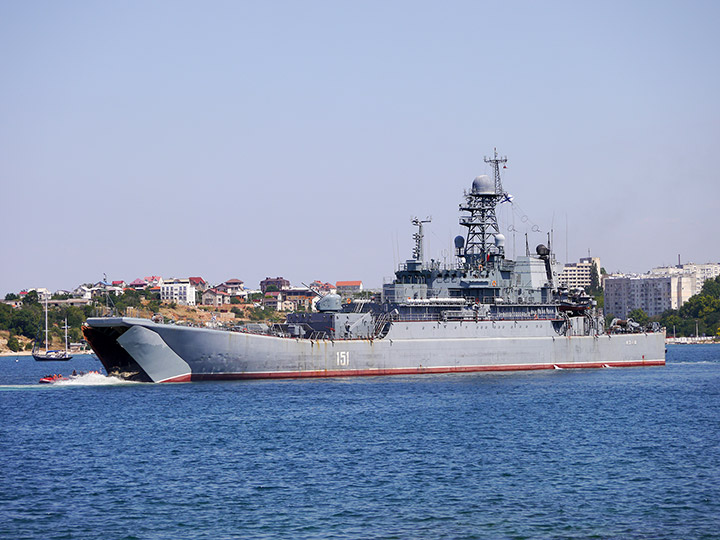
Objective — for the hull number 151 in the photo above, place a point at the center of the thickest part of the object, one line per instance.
(342, 358)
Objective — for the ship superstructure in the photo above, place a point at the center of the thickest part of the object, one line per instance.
(481, 312)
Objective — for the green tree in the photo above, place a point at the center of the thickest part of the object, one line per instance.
(12, 296)
(31, 298)
(594, 280)
(13, 344)
(27, 321)
(711, 287)
(5, 316)
(639, 316)
(75, 334)
(675, 324)
(147, 294)
(699, 306)
(129, 298)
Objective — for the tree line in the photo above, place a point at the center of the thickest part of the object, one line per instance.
(28, 320)
(700, 314)
(702, 309)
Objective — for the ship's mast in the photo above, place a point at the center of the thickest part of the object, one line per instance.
(484, 241)
(47, 334)
(418, 254)
(496, 161)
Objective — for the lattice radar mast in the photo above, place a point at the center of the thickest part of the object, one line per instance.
(483, 243)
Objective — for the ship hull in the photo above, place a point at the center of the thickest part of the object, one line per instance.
(169, 353)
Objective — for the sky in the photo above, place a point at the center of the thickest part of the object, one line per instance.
(297, 139)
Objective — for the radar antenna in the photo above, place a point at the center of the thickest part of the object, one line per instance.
(418, 254)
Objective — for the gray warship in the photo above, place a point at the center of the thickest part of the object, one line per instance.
(482, 312)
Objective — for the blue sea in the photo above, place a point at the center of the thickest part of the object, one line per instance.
(626, 453)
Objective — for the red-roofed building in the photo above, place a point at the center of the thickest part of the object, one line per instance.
(138, 284)
(234, 287)
(199, 283)
(273, 300)
(119, 283)
(214, 297)
(349, 287)
(323, 288)
(154, 281)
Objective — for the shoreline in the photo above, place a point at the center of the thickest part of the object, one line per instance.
(29, 353)
(19, 353)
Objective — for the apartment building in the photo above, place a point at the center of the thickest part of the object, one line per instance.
(180, 291)
(578, 274)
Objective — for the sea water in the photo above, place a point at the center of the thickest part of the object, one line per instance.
(624, 453)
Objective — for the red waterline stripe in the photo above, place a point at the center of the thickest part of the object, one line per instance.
(180, 378)
(403, 371)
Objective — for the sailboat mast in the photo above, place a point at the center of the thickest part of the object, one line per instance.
(46, 325)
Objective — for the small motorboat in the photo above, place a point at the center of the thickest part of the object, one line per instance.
(49, 379)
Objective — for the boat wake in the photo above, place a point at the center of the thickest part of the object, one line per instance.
(92, 379)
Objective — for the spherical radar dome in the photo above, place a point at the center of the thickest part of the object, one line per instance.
(483, 185)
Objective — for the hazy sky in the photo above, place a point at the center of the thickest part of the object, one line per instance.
(253, 139)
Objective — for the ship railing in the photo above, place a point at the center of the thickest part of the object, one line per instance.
(428, 266)
(318, 335)
(469, 316)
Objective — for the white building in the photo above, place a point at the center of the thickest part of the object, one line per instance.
(701, 272)
(42, 293)
(578, 274)
(653, 293)
(180, 291)
(82, 292)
